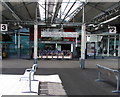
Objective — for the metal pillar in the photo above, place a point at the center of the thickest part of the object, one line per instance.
(35, 43)
(119, 46)
(108, 46)
(76, 40)
(118, 84)
(71, 47)
(96, 46)
(115, 46)
(56, 46)
(15, 38)
(15, 41)
(83, 43)
(0, 57)
(19, 43)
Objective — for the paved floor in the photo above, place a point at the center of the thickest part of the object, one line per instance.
(41, 85)
(90, 63)
(10, 85)
(75, 80)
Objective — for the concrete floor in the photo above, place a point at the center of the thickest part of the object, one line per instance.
(90, 63)
(75, 80)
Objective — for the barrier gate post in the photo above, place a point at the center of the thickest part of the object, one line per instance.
(118, 84)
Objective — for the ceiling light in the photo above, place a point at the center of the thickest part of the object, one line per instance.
(53, 25)
(110, 20)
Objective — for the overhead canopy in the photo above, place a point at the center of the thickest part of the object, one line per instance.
(20, 11)
(99, 15)
(59, 12)
(93, 10)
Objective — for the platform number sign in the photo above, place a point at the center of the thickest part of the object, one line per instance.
(4, 27)
(112, 29)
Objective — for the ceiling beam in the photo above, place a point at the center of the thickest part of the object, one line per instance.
(96, 7)
(10, 8)
(66, 6)
(51, 5)
(68, 12)
(109, 12)
(27, 10)
(58, 6)
(38, 17)
(5, 17)
(18, 6)
(75, 12)
(45, 10)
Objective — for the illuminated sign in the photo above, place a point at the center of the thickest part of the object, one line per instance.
(59, 34)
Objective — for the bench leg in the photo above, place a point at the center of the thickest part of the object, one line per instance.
(99, 77)
(33, 77)
(118, 85)
(116, 91)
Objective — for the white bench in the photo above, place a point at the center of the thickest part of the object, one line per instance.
(109, 72)
(29, 73)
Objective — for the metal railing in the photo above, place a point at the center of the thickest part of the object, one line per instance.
(110, 72)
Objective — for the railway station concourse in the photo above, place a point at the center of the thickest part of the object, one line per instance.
(60, 47)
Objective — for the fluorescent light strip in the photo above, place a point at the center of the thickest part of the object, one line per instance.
(110, 20)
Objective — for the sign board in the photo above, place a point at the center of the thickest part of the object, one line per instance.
(59, 34)
(4, 27)
(94, 38)
(112, 29)
(90, 49)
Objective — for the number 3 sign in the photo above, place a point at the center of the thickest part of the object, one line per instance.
(4, 27)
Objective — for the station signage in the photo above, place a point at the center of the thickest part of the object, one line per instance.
(4, 27)
(59, 34)
(112, 29)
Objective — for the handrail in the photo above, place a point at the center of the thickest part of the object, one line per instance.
(107, 68)
(112, 70)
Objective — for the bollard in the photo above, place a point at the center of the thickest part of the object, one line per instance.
(47, 55)
(71, 55)
(62, 55)
(52, 55)
(41, 56)
(57, 55)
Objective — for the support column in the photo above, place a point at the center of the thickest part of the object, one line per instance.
(76, 40)
(119, 46)
(15, 38)
(15, 41)
(71, 47)
(115, 46)
(0, 56)
(56, 46)
(0, 44)
(19, 43)
(35, 43)
(108, 46)
(83, 43)
(96, 46)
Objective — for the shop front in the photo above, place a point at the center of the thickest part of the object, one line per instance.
(54, 43)
(104, 45)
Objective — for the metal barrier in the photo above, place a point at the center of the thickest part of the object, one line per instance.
(109, 72)
(55, 55)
